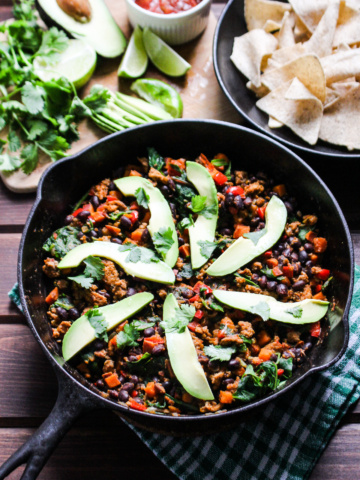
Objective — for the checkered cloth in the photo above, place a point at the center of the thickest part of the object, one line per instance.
(287, 441)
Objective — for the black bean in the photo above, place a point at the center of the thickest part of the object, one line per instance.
(253, 179)
(308, 346)
(276, 253)
(149, 332)
(187, 293)
(287, 252)
(131, 291)
(294, 257)
(309, 264)
(112, 186)
(113, 394)
(238, 202)
(254, 222)
(255, 277)
(303, 256)
(93, 234)
(164, 190)
(119, 172)
(123, 396)
(82, 216)
(247, 202)
(234, 364)
(271, 285)
(127, 387)
(289, 207)
(68, 219)
(171, 185)
(167, 385)
(281, 247)
(297, 269)
(282, 290)
(261, 176)
(295, 242)
(145, 235)
(181, 241)
(158, 349)
(281, 259)
(121, 379)
(203, 360)
(273, 357)
(229, 200)
(309, 247)
(213, 364)
(100, 384)
(226, 232)
(173, 209)
(63, 314)
(125, 222)
(99, 344)
(228, 381)
(73, 313)
(299, 285)
(308, 271)
(134, 379)
(261, 225)
(286, 355)
(80, 235)
(116, 240)
(95, 201)
(161, 331)
(132, 358)
(263, 282)
(135, 351)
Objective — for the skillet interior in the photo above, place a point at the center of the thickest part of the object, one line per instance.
(67, 180)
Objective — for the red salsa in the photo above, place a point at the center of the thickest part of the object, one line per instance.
(167, 6)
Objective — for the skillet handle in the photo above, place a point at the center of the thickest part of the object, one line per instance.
(71, 402)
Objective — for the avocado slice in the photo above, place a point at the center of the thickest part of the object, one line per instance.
(81, 333)
(154, 271)
(183, 357)
(299, 313)
(159, 208)
(101, 31)
(243, 250)
(204, 228)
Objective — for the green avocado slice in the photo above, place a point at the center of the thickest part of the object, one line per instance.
(101, 31)
(183, 357)
(243, 250)
(306, 311)
(154, 271)
(204, 228)
(81, 333)
(161, 217)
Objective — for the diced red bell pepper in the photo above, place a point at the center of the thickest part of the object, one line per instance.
(261, 212)
(178, 164)
(236, 190)
(315, 329)
(219, 178)
(277, 272)
(323, 274)
(192, 326)
(134, 393)
(76, 213)
(280, 372)
(150, 342)
(134, 206)
(318, 288)
(195, 298)
(137, 406)
(199, 286)
(133, 216)
(221, 334)
(199, 314)
(268, 254)
(288, 271)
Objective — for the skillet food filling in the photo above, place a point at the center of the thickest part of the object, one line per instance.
(185, 287)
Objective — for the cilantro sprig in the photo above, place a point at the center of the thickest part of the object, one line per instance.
(98, 322)
(198, 205)
(163, 240)
(177, 324)
(138, 254)
(94, 270)
(216, 352)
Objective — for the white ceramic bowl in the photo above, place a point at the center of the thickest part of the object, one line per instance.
(173, 28)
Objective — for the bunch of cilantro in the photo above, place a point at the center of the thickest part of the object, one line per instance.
(38, 116)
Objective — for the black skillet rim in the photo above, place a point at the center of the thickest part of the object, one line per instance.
(105, 403)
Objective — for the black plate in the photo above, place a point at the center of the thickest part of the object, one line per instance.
(233, 83)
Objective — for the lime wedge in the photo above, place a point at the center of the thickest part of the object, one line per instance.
(159, 93)
(164, 57)
(77, 63)
(135, 61)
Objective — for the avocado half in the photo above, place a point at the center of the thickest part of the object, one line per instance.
(101, 32)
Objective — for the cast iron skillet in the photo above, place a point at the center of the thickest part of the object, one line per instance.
(232, 24)
(67, 180)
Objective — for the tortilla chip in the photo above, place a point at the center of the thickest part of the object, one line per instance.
(322, 39)
(331, 97)
(341, 65)
(301, 33)
(257, 12)
(285, 36)
(341, 122)
(301, 113)
(273, 123)
(285, 55)
(249, 50)
(348, 28)
(310, 11)
(259, 91)
(307, 69)
(271, 26)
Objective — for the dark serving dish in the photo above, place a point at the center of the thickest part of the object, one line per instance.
(62, 185)
(232, 24)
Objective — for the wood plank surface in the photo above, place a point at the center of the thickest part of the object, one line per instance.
(9, 245)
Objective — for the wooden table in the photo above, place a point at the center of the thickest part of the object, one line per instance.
(100, 445)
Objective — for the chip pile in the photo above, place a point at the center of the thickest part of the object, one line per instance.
(302, 59)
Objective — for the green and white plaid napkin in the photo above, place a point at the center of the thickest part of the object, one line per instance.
(286, 441)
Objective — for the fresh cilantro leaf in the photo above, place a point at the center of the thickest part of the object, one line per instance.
(228, 171)
(62, 241)
(134, 255)
(155, 160)
(183, 316)
(198, 203)
(9, 163)
(24, 10)
(138, 253)
(37, 128)
(83, 280)
(262, 309)
(14, 141)
(216, 306)
(185, 223)
(270, 274)
(97, 99)
(142, 197)
(116, 215)
(219, 162)
(302, 232)
(98, 322)
(53, 43)
(163, 240)
(29, 154)
(216, 352)
(186, 271)
(2, 123)
(255, 236)
(148, 256)
(127, 337)
(33, 97)
(287, 365)
(63, 302)
(296, 311)
(94, 267)
(326, 284)
(14, 106)
(247, 280)
(141, 325)
(206, 248)
(79, 109)
(209, 212)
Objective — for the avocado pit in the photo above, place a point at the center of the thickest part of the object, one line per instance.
(80, 10)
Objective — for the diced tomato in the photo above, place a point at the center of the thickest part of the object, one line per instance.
(323, 274)
(277, 272)
(221, 334)
(137, 406)
(236, 190)
(199, 286)
(261, 212)
(111, 198)
(280, 372)
(199, 314)
(195, 298)
(315, 329)
(192, 326)
(288, 271)
(134, 393)
(219, 178)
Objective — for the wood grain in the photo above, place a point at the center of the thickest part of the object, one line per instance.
(9, 245)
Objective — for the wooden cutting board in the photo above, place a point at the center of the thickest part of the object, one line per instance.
(199, 89)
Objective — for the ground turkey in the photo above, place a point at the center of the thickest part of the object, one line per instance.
(118, 286)
(50, 268)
